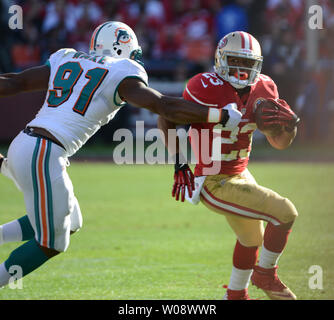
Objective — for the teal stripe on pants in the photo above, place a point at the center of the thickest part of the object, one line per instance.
(35, 186)
(49, 194)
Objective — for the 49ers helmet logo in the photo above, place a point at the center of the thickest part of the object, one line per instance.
(222, 43)
(122, 36)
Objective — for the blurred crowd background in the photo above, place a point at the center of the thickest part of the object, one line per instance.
(179, 37)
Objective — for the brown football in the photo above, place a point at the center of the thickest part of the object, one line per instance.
(271, 130)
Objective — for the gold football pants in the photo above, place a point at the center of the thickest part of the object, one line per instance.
(245, 204)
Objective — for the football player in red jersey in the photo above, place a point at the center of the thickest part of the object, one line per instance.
(223, 182)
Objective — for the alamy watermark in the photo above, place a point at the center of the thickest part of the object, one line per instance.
(15, 281)
(316, 17)
(316, 280)
(16, 17)
(148, 147)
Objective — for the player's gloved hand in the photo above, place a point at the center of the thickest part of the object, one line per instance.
(282, 115)
(183, 178)
(231, 116)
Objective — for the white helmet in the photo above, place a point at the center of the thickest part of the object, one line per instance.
(242, 45)
(115, 39)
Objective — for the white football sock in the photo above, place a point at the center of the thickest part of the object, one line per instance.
(10, 232)
(268, 259)
(239, 278)
(4, 275)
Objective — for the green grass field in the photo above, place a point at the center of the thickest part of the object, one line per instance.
(139, 243)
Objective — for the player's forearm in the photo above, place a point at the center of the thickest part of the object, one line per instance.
(283, 140)
(180, 111)
(168, 135)
(8, 86)
(32, 79)
(176, 110)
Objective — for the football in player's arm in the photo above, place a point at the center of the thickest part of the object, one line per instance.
(223, 183)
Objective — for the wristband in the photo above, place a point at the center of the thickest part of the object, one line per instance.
(214, 115)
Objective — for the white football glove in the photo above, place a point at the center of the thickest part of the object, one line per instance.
(232, 117)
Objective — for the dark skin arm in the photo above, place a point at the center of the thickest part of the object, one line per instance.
(131, 90)
(183, 176)
(164, 125)
(32, 79)
(280, 142)
(176, 110)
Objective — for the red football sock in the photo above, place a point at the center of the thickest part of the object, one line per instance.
(276, 237)
(244, 257)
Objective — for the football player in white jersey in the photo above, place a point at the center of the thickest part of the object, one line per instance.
(84, 92)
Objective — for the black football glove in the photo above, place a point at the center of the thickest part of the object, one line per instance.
(183, 178)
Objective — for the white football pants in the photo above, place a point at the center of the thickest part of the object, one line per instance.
(38, 168)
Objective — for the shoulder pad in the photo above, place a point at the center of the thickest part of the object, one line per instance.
(56, 56)
(268, 85)
(130, 67)
(204, 88)
(64, 52)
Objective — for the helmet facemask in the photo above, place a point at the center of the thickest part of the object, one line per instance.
(239, 76)
(137, 55)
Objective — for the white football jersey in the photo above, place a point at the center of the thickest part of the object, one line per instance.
(83, 95)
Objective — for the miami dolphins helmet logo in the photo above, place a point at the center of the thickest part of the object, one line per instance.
(122, 36)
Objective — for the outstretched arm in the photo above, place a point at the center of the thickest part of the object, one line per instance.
(169, 136)
(183, 176)
(174, 109)
(32, 79)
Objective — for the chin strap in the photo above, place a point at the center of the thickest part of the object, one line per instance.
(236, 83)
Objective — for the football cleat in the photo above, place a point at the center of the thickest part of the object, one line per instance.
(236, 295)
(268, 281)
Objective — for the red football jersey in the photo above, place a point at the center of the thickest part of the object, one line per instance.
(217, 150)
